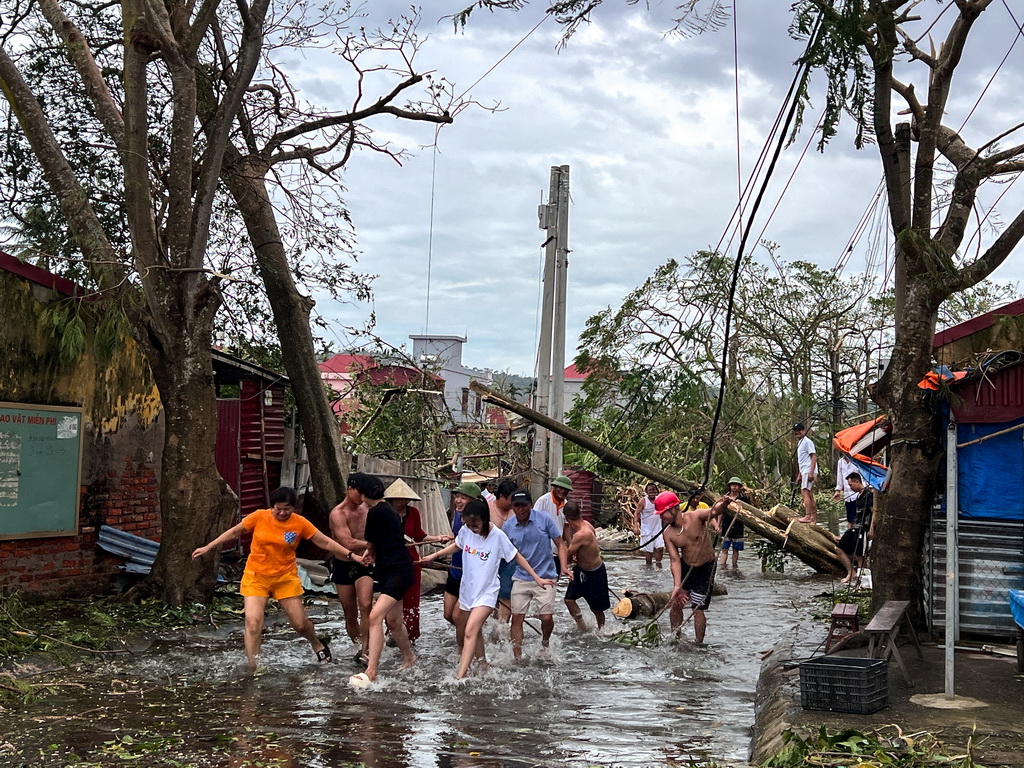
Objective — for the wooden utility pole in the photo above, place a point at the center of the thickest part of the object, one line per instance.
(549, 395)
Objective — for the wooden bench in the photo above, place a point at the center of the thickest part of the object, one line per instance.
(845, 621)
(884, 631)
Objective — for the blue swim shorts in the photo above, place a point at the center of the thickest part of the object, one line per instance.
(736, 544)
(505, 571)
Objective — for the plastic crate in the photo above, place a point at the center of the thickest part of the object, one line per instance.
(840, 684)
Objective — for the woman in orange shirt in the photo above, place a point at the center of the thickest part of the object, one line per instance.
(271, 572)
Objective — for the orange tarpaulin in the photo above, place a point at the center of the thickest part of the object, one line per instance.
(861, 442)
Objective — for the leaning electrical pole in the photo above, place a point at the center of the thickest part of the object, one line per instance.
(549, 397)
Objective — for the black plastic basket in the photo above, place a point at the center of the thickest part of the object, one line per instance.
(840, 684)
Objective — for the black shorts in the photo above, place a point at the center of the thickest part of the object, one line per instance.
(854, 542)
(395, 582)
(347, 573)
(451, 585)
(698, 583)
(592, 586)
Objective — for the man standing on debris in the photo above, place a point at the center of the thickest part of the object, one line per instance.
(852, 547)
(807, 462)
(691, 557)
(589, 576)
(551, 503)
(354, 581)
(533, 533)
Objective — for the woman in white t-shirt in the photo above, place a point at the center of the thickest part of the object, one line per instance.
(483, 547)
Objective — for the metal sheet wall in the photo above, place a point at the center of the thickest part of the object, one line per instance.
(226, 451)
(991, 564)
(261, 443)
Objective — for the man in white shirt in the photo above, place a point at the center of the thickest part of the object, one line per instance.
(844, 468)
(552, 503)
(807, 462)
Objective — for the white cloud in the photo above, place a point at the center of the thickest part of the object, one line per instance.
(645, 121)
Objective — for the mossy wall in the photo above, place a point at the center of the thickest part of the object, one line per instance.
(122, 437)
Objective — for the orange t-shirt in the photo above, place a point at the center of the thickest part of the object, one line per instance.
(273, 543)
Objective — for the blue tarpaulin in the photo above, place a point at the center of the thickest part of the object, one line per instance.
(991, 473)
(1017, 606)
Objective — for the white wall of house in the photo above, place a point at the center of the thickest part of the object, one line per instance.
(442, 354)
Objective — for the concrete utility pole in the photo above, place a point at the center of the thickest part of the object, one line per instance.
(549, 397)
(900, 272)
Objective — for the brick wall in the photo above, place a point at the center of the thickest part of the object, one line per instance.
(126, 497)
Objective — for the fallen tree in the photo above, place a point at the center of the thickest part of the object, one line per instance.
(808, 543)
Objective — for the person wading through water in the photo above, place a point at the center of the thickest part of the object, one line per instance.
(271, 570)
(691, 557)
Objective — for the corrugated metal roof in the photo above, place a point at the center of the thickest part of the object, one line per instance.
(139, 552)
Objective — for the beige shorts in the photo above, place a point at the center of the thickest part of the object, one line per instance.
(805, 484)
(526, 592)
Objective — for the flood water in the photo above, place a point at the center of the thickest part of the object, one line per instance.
(187, 702)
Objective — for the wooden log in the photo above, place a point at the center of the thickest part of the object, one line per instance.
(635, 604)
(648, 604)
(804, 542)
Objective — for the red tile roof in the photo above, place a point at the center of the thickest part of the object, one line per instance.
(343, 363)
(572, 374)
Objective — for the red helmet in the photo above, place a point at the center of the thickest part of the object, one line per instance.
(665, 500)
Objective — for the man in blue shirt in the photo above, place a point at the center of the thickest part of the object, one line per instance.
(532, 533)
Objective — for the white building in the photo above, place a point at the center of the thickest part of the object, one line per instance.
(443, 355)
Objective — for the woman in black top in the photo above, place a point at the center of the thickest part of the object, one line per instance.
(392, 569)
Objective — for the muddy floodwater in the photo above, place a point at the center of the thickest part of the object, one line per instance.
(186, 701)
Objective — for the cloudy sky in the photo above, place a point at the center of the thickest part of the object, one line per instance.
(647, 123)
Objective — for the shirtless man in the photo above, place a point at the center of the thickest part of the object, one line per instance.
(501, 511)
(589, 576)
(353, 581)
(691, 556)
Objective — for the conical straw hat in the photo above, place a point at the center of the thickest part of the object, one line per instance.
(400, 490)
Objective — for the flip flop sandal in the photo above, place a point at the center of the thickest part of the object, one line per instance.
(324, 654)
(362, 680)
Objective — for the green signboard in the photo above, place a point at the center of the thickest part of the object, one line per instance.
(40, 470)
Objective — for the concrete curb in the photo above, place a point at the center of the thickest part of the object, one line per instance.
(776, 698)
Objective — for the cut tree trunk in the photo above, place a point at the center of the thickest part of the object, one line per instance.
(807, 543)
(650, 604)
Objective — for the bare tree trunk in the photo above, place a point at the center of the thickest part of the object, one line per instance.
(195, 503)
(245, 180)
(915, 451)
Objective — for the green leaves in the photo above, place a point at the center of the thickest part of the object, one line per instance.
(886, 747)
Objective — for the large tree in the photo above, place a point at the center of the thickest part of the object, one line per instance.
(159, 90)
(859, 44)
(868, 53)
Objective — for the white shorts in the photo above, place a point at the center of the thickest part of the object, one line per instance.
(651, 529)
(805, 484)
(526, 592)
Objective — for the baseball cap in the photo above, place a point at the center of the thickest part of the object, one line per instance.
(665, 500)
(798, 426)
(520, 496)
